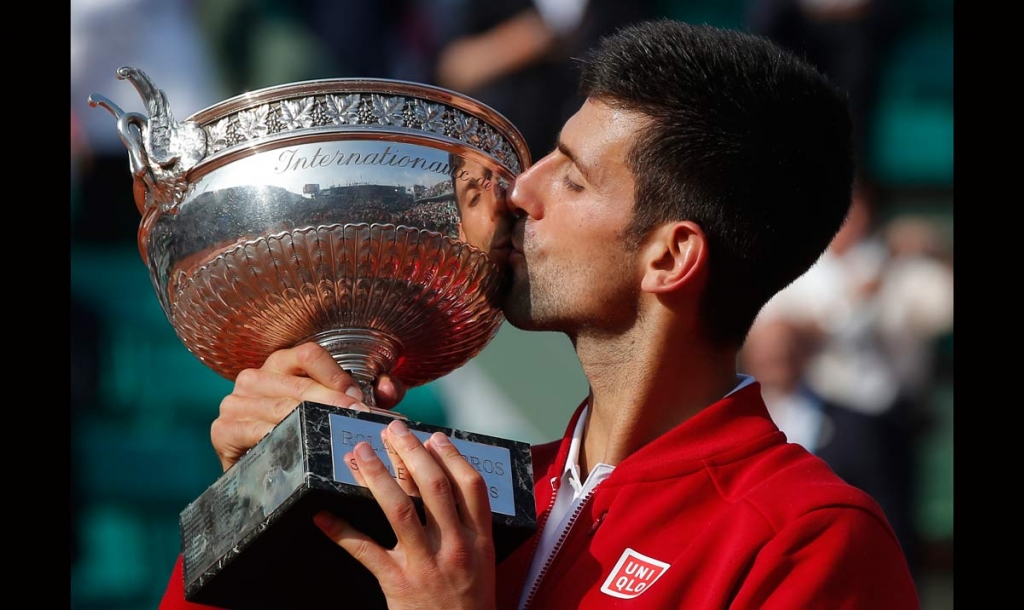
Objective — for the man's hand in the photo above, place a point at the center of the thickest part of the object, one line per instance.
(448, 562)
(263, 397)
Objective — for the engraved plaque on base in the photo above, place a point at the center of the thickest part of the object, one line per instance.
(241, 536)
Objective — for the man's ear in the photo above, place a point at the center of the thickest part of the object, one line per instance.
(675, 256)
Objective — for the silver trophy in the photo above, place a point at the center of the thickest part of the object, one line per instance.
(366, 215)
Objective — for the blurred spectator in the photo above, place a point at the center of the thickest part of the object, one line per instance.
(776, 353)
(517, 56)
(874, 306)
(849, 40)
(915, 302)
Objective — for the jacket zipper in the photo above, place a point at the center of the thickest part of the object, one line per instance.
(540, 529)
(558, 545)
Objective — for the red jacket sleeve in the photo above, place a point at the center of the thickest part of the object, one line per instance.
(174, 595)
(830, 559)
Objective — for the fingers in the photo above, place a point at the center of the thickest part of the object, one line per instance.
(350, 460)
(430, 479)
(276, 386)
(232, 436)
(449, 561)
(396, 504)
(398, 468)
(309, 372)
(389, 391)
(356, 543)
(469, 487)
(262, 397)
(302, 370)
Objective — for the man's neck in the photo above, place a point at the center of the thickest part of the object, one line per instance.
(638, 394)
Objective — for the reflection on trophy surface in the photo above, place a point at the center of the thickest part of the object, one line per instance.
(484, 216)
(366, 215)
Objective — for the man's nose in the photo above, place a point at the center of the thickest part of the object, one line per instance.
(522, 194)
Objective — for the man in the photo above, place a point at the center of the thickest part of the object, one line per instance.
(706, 171)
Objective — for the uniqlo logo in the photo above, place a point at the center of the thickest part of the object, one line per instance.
(632, 575)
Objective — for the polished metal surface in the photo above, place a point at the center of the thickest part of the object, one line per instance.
(367, 215)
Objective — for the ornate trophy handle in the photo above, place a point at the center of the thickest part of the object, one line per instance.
(160, 149)
(130, 126)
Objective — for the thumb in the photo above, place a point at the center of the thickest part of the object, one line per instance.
(389, 391)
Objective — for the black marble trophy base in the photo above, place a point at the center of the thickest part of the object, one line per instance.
(249, 541)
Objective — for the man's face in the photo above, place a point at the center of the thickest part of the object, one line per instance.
(485, 221)
(571, 268)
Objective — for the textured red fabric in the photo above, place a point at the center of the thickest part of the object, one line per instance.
(733, 516)
(174, 595)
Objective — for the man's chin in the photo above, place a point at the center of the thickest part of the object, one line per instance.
(517, 310)
(519, 323)
(522, 317)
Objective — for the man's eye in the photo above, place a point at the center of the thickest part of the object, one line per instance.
(474, 200)
(572, 186)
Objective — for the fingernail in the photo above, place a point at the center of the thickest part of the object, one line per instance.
(327, 522)
(439, 439)
(364, 451)
(398, 428)
(355, 392)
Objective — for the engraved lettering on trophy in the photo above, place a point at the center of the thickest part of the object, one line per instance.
(399, 473)
(490, 461)
(289, 160)
(353, 438)
(486, 466)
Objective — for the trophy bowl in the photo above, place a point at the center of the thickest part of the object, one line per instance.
(326, 211)
(367, 215)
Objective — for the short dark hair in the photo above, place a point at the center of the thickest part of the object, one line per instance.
(745, 139)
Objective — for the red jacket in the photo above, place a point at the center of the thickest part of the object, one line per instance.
(718, 513)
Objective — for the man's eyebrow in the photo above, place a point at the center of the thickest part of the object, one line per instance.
(568, 152)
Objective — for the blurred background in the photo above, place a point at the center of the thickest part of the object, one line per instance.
(856, 357)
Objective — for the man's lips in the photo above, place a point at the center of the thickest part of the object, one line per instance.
(515, 256)
(516, 241)
(516, 237)
(515, 250)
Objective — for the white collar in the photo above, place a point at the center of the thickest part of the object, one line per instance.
(572, 461)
